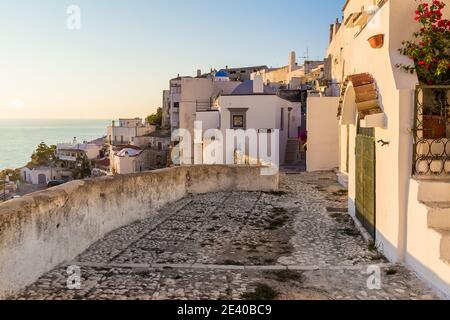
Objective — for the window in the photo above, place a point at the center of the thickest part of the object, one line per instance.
(238, 121)
(121, 139)
(176, 105)
(175, 89)
(159, 146)
(238, 118)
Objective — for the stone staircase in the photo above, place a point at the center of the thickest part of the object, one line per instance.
(435, 195)
(428, 233)
(292, 155)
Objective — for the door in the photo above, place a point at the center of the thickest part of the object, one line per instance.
(365, 179)
(42, 179)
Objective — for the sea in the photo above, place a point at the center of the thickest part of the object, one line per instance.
(19, 138)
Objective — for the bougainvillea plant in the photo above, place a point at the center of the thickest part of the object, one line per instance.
(430, 48)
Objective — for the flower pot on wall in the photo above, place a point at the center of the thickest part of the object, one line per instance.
(376, 41)
(434, 127)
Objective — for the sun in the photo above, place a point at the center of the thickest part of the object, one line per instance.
(16, 104)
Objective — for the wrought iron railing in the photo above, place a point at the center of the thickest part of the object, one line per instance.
(204, 105)
(432, 131)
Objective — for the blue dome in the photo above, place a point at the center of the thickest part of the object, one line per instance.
(221, 74)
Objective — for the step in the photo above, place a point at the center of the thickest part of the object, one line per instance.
(445, 246)
(434, 190)
(438, 215)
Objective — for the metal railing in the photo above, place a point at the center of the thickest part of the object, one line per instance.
(205, 105)
(431, 154)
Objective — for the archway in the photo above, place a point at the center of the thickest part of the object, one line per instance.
(42, 178)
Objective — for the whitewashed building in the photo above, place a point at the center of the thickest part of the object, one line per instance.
(396, 173)
(125, 131)
(43, 174)
(128, 159)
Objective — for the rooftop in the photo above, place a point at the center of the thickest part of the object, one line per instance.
(126, 146)
(159, 134)
(246, 88)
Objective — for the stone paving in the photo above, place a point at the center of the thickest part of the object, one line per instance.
(298, 242)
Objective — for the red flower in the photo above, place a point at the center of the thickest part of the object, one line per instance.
(421, 63)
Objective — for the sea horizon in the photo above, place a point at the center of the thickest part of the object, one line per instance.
(20, 137)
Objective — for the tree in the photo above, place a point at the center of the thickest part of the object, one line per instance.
(83, 168)
(15, 174)
(155, 118)
(42, 155)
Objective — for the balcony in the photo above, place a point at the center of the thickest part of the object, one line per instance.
(431, 154)
(67, 158)
(205, 105)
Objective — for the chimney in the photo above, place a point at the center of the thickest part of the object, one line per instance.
(332, 26)
(292, 61)
(199, 73)
(258, 84)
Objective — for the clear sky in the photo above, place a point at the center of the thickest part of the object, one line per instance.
(126, 51)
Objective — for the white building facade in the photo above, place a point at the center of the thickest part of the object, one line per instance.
(403, 210)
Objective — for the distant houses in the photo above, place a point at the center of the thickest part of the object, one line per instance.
(135, 145)
(66, 160)
(69, 154)
(257, 97)
(239, 98)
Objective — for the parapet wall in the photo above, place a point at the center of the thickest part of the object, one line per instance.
(42, 230)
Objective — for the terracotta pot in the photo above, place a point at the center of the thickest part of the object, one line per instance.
(434, 127)
(376, 41)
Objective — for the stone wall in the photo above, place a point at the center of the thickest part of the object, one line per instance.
(44, 229)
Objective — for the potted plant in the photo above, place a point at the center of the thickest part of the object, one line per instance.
(376, 41)
(430, 51)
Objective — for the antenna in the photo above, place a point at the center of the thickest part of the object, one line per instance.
(306, 58)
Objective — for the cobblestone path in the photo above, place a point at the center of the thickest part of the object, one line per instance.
(298, 243)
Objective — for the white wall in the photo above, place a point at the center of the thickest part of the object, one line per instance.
(424, 243)
(32, 176)
(201, 90)
(393, 162)
(264, 112)
(209, 119)
(323, 134)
